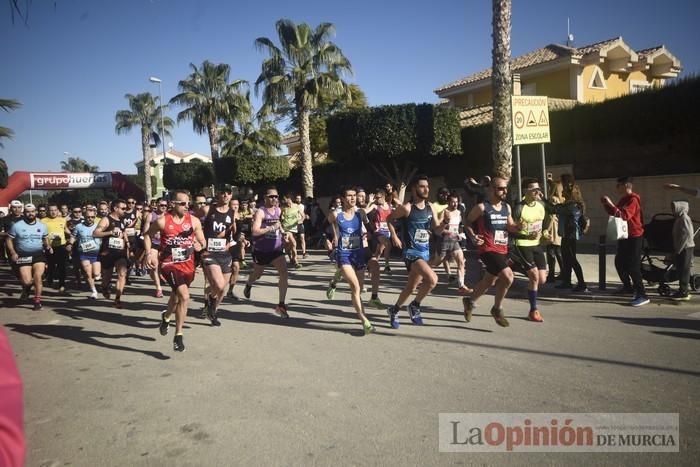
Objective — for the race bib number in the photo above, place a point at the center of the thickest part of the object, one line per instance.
(351, 243)
(216, 244)
(180, 254)
(534, 227)
(89, 246)
(24, 260)
(130, 231)
(115, 243)
(453, 229)
(383, 226)
(272, 234)
(421, 236)
(500, 237)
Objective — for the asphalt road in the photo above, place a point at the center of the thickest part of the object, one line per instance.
(102, 387)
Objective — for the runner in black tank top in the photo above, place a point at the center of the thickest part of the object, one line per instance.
(114, 250)
(219, 222)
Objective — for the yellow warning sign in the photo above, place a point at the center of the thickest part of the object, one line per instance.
(530, 120)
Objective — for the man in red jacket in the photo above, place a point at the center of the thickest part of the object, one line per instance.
(12, 447)
(629, 251)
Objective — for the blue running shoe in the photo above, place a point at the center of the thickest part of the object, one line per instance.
(414, 311)
(639, 301)
(393, 312)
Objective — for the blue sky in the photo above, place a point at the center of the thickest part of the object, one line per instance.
(71, 66)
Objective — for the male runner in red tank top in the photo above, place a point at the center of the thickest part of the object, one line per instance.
(180, 236)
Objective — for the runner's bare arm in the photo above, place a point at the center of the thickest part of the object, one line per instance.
(153, 229)
(512, 225)
(257, 230)
(333, 220)
(401, 211)
(198, 234)
(476, 212)
(99, 231)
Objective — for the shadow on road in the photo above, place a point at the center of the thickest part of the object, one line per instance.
(670, 323)
(82, 336)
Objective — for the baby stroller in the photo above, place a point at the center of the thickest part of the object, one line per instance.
(657, 254)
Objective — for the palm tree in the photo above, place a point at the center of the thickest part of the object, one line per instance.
(249, 139)
(76, 164)
(501, 83)
(210, 99)
(145, 112)
(8, 105)
(295, 74)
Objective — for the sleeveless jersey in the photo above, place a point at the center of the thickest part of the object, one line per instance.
(452, 229)
(215, 223)
(270, 241)
(532, 216)
(350, 233)
(113, 244)
(87, 244)
(380, 220)
(417, 228)
(129, 222)
(493, 226)
(177, 244)
(290, 219)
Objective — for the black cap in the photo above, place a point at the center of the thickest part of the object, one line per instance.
(224, 187)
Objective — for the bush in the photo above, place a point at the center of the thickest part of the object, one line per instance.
(251, 170)
(192, 176)
(412, 131)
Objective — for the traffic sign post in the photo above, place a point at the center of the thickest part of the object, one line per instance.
(530, 126)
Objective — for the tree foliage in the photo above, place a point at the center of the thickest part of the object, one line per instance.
(249, 138)
(305, 66)
(191, 176)
(3, 173)
(76, 164)
(328, 106)
(378, 134)
(7, 105)
(251, 170)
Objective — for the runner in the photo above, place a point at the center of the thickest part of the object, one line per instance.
(494, 222)
(384, 231)
(369, 245)
(113, 250)
(439, 207)
(15, 215)
(451, 222)
(27, 240)
(130, 220)
(347, 239)
(336, 205)
(301, 234)
(290, 219)
(246, 224)
(56, 259)
(267, 248)
(219, 225)
(75, 218)
(150, 215)
(87, 249)
(528, 252)
(236, 238)
(180, 236)
(419, 220)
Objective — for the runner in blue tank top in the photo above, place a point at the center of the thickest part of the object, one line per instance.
(347, 240)
(267, 249)
(419, 222)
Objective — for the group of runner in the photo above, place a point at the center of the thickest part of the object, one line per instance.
(171, 237)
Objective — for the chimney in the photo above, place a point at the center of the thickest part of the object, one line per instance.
(516, 84)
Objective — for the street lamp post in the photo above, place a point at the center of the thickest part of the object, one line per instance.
(153, 79)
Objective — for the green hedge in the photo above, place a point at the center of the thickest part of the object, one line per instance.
(412, 131)
(251, 170)
(653, 132)
(192, 176)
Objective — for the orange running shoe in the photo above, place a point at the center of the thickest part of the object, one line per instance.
(535, 315)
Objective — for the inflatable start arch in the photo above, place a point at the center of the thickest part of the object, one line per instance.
(20, 182)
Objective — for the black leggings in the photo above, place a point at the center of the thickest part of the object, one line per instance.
(57, 265)
(568, 252)
(554, 257)
(628, 262)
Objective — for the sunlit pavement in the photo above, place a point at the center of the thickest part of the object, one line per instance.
(103, 387)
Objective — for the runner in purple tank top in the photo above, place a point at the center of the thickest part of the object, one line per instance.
(267, 247)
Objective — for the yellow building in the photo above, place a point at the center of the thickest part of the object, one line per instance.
(592, 73)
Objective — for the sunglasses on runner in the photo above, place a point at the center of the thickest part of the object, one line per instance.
(162, 205)
(180, 203)
(501, 188)
(272, 196)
